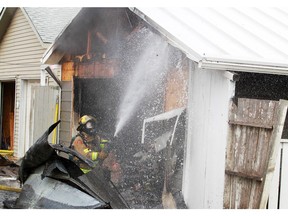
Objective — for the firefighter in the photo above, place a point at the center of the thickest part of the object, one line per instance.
(89, 143)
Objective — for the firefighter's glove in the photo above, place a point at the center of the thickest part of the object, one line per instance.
(87, 150)
(94, 155)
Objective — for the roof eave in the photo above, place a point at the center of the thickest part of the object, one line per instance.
(5, 19)
(51, 55)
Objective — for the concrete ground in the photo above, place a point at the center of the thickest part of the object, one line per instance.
(8, 177)
(7, 195)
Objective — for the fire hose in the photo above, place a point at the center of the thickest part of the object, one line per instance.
(7, 188)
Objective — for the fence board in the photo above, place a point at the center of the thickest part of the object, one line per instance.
(274, 192)
(280, 116)
(253, 135)
(284, 178)
(44, 108)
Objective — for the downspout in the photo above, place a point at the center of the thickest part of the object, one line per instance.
(50, 72)
(42, 75)
(43, 83)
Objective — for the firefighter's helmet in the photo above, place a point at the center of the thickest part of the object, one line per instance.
(87, 124)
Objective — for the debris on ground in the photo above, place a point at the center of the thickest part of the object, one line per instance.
(152, 170)
(9, 183)
(51, 181)
(143, 181)
(8, 172)
(148, 177)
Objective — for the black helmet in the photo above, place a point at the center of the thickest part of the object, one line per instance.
(87, 124)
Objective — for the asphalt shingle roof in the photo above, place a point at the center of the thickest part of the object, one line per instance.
(50, 22)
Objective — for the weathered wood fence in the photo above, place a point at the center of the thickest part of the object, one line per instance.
(253, 143)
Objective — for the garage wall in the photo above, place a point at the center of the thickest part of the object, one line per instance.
(204, 163)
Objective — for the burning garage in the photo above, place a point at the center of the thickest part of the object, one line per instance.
(190, 107)
(114, 68)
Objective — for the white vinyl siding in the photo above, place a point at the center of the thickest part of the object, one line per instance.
(20, 50)
(204, 167)
(20, 54)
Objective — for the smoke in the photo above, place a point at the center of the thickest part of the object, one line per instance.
(147, 59)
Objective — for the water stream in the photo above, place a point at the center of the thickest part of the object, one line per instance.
(147, 56)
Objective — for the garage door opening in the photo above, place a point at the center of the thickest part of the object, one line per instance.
(99, 98)
(7, 115)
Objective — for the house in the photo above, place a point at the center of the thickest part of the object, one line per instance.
(224, 80)
(24, 36)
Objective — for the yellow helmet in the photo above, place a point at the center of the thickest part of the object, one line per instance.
(87, 124)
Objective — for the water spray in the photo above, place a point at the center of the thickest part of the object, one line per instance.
(146, 75)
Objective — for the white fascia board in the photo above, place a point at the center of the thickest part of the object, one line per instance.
(47, 53)
(51, 56)
(2, 11)
(244, 66)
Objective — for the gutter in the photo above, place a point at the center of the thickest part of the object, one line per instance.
(243, 67)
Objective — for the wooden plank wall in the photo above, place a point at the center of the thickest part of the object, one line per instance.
(96, 69)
